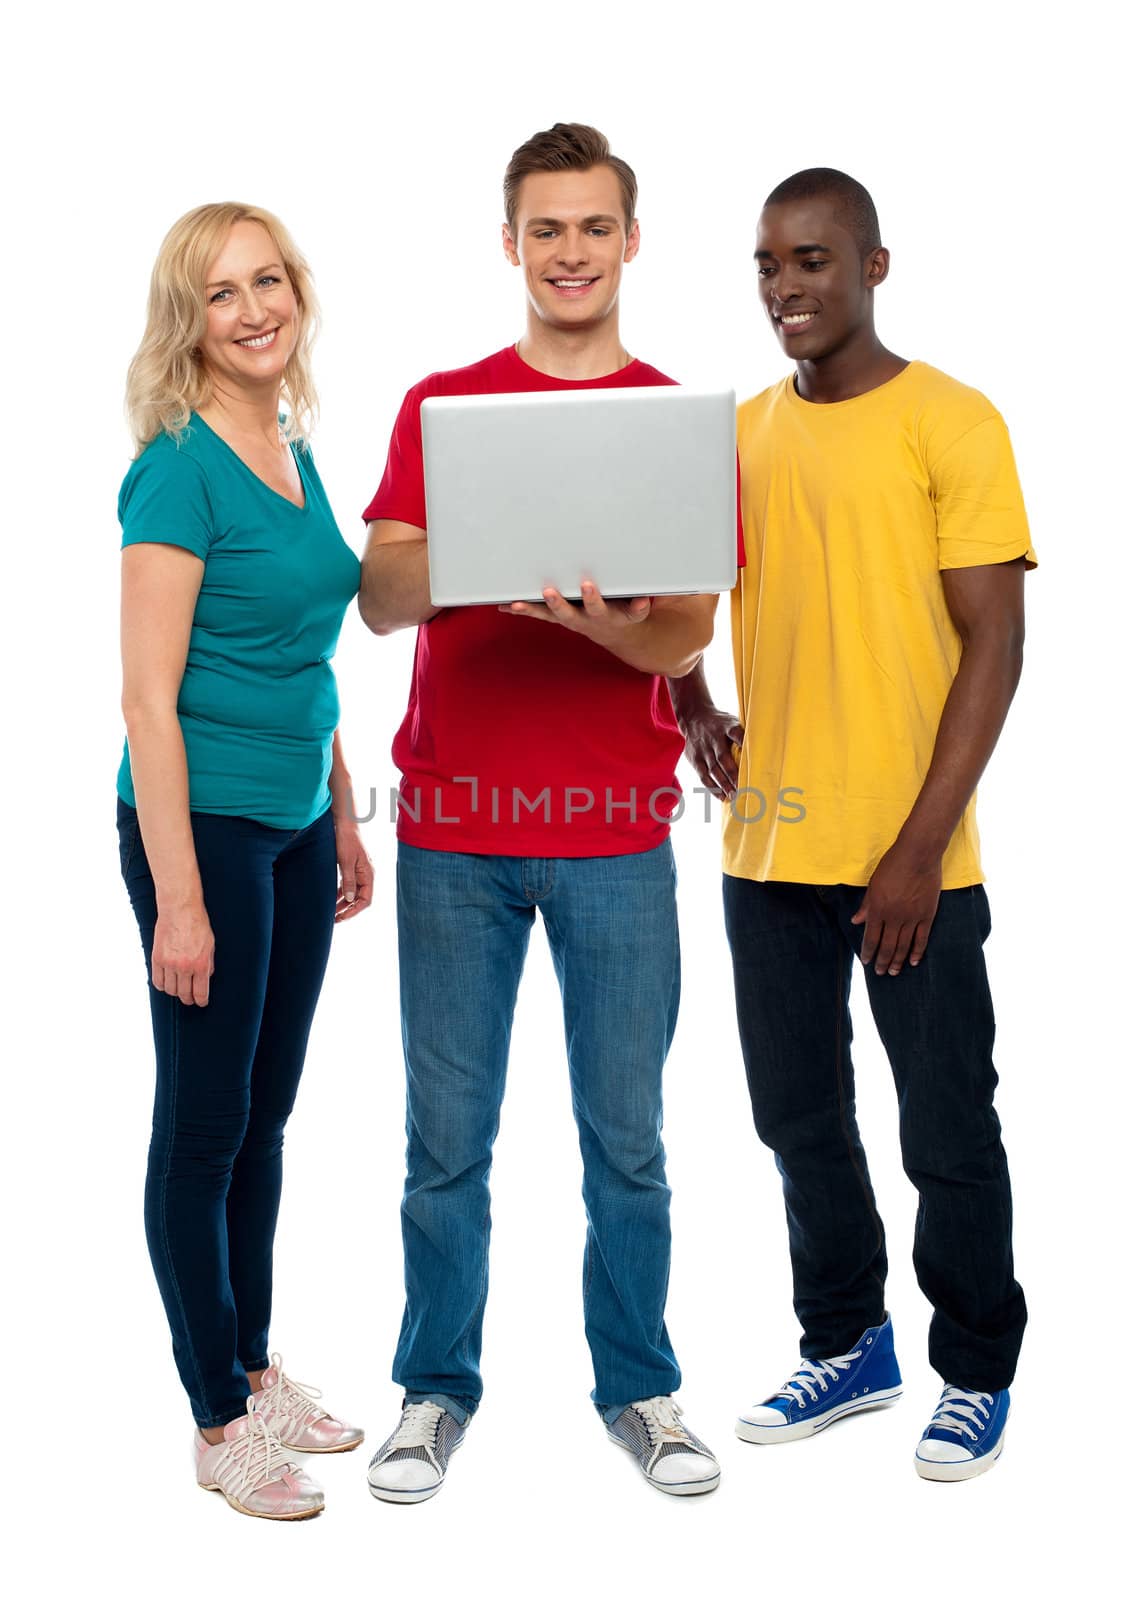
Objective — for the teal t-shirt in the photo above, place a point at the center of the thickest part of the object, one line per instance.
(258, 703)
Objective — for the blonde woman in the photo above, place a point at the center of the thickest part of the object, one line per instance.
(238, 842)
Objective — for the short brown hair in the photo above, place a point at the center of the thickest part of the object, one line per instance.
(566, 147)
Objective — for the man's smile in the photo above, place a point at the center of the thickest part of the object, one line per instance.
(572, 286)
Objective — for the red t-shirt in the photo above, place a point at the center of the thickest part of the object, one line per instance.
(522, 738)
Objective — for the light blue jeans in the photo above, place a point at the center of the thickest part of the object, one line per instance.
(463, 928)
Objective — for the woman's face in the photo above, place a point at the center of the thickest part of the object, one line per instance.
(252, 312)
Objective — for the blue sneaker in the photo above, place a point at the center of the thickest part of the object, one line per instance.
(965, 1437)
(820, 1392)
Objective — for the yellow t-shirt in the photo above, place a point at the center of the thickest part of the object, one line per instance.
(844, 647)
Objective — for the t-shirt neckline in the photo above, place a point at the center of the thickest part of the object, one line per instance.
(572, 383)
(230, 450)
(852, 400)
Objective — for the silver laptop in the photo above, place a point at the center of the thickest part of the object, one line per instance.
(632, 488)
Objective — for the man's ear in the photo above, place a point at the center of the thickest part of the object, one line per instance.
(877, 267)
(631, 249)
(508, 243)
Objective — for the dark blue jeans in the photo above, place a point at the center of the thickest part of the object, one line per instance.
(463, 924)
(793, 948)
(227, 1074)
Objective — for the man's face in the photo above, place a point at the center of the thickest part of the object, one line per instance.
(813, 284)
(572, 244)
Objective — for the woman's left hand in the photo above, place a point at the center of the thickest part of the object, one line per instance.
(355, 872)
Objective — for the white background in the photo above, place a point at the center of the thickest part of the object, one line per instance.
(989, 136)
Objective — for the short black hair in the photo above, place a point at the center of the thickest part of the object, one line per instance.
(853, 207)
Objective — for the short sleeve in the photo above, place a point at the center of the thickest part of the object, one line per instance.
(741, 549)
(400, 495)
(981, 517)
(165, 500)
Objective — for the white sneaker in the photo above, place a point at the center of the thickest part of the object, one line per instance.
(291, 1410)
(412, 1462)
(671, 1458)
(253, 1471)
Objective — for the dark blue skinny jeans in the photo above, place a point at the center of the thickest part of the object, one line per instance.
(793, 948)
(227, 1074)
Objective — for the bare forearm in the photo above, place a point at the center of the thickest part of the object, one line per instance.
(970, 726)
(690, 694)
(162, 799)
(341, 784)
(671, 641)
(395, 587)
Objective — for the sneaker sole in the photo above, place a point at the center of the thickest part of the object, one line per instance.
(958, 1471)
(698, 1486)
(404, 1497)
(787, 1433)
(263, 1516)
(330, 1450)
(410, 1497)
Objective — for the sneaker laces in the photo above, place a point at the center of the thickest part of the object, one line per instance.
(287, 1404)
(957, 1411)
(661, 1418)
(417, 1429)
(254, 1457)
(814, 1375)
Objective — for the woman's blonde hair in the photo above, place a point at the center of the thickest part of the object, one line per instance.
(166, 380)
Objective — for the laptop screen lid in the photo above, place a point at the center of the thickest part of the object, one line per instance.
(635, 489)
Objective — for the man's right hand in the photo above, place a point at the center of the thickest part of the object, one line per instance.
(714, 739)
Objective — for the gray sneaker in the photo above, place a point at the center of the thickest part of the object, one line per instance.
(671, 1458)
(412, 1462)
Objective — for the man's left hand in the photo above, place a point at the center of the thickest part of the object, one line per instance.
(898, 910)
(597, 618)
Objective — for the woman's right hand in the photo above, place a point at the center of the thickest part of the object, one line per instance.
(182, 956)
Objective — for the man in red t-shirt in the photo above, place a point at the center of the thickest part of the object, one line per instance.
(538, 760)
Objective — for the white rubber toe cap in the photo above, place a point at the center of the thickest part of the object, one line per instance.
(943, 1451)
(404, 1477)
(765, 1417)
(684, 1467)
